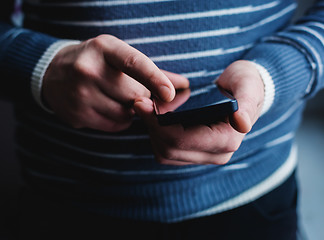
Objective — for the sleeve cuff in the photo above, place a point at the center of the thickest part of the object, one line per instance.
(41, 67)
(269, 87)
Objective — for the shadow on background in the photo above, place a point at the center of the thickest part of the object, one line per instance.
(9, 166)
(10, 179)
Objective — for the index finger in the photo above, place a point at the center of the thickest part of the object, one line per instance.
(138, 66)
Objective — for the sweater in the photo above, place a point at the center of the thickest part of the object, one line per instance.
(115, 173)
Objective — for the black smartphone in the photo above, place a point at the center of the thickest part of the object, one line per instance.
(200, 105)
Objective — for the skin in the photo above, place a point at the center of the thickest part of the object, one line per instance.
(94, 84)
(212, 144)
(102, 82)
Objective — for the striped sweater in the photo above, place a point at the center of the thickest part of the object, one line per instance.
(115, 173)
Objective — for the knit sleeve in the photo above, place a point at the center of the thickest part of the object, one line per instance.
(20, 51)
(294, 58)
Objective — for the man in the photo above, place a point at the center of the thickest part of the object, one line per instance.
(92, 149)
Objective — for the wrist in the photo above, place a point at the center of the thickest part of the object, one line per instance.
(269, 87)
(41, 67)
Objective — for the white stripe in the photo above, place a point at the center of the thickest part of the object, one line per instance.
(269, 19)
(202, 90)
(201, 54)
(50, 177)
(310, 31)
(87, 134)
(231, 167)
(185, 36)
(280, 140)
(118, 172)
(12, 34)
(307, 54)
(212, 33)
(96, 3)
(274, 124)
(264, 187)
(315, 24)
(235, 166)
(273, 143)
(203, 73)
(167, 18)
(81, 150)
(317, 57)
(318, 36)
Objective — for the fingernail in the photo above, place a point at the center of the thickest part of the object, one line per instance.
(144, 103)
(143, 100)
(165, 93)
(248, 122)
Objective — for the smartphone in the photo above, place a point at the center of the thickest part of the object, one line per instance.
(200, 105)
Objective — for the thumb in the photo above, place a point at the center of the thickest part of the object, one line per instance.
(249, 108)
(242, 79)
(241, 120)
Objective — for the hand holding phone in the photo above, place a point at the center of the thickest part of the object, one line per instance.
(206, 105)
(206, 143)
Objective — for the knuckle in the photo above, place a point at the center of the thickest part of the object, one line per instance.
(210, 140)
(141, 92)
(102, 40)
(221, 159)
(107, 37)
(230, 141)
(99, 40)
(82, 93)
(131, 61)
(80, 67)
(232, 146)
(84, 68)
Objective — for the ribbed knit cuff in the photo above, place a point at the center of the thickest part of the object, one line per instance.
(20, 50)
(269, 88)
(41, 67)
(289, 69)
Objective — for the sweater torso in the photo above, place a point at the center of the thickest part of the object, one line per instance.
(116, 173)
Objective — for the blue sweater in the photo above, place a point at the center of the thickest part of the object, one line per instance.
(115, 173)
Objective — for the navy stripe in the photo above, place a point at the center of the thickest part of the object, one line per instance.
(121, 166)
(137, 10)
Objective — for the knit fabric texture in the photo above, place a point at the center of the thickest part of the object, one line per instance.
(115, 173)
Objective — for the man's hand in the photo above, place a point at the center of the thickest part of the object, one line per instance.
(94, 84)
(216, 143)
